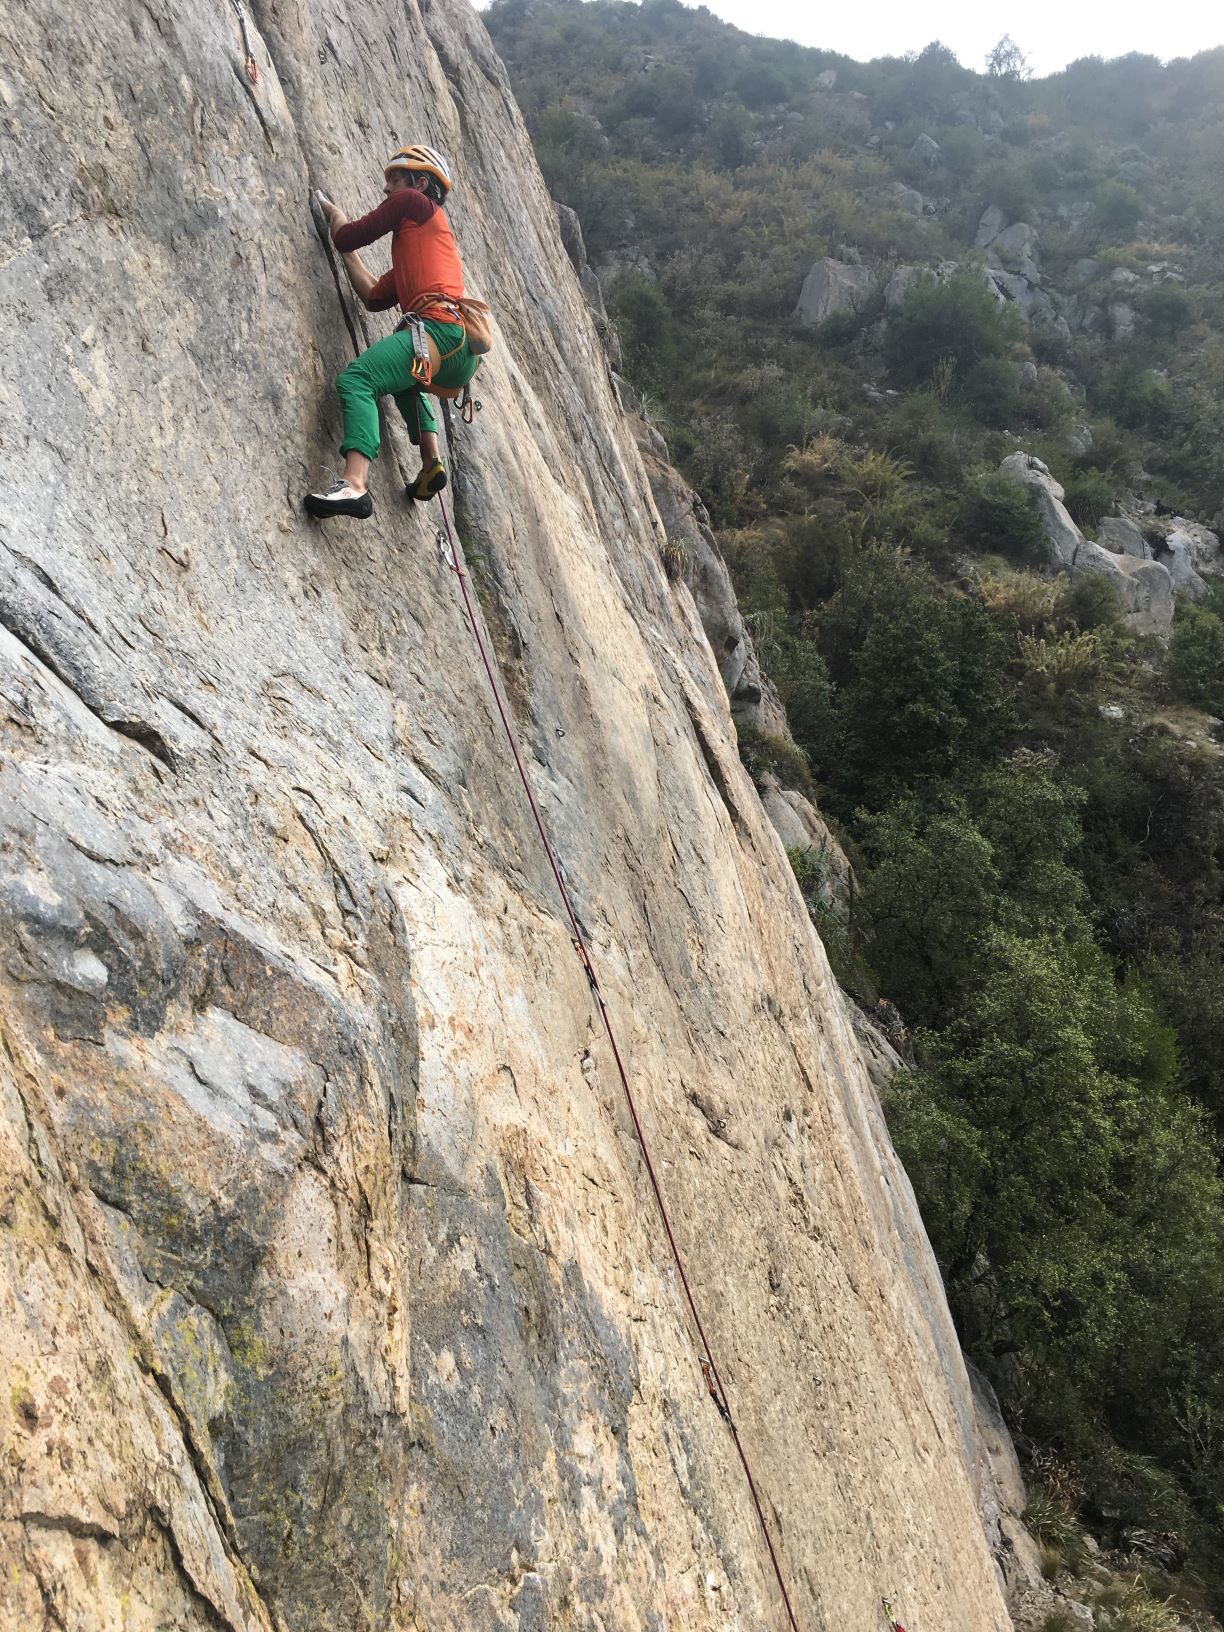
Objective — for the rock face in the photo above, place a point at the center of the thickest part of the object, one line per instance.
(926, 151)
(800, 826)
(1122, 536)
(1145, 588)
(1016, 250)
(1180, 560)
(990, 226)
(1193, 554)
(833, 286)
(332, 1291)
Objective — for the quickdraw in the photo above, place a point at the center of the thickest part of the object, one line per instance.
(422, 364)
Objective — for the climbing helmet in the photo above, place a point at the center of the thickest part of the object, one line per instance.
(422, 160)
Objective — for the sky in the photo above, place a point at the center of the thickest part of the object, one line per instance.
(1051, 33)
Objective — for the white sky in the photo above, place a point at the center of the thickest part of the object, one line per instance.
(1051, 33)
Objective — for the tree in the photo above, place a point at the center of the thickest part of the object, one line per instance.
(959, 318)
(1196, 658)
(996, 515)
(1007, 61)
(922, 678)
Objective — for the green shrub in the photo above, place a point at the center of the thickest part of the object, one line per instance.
(1090, 494)
(764, 754)
(839, 329)
(959, 319)
(1118, 208)
(1137, 398)
(1092, 602)
(1130, 1607)
(1055, 1524)
(1167, 309)
(1196, 658)
(997, 516)
(646, 328)
(992, 392)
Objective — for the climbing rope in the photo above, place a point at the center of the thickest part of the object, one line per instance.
(451, 555)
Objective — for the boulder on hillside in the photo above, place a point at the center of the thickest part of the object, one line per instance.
(902, 281)
(1063, 537)
(1016, 249)
(1177, 555)
(908, 199)
(1122, 319)
(827, 80)
(1202, 544)
(990, 226)
(1121, 536)
(1012, 288)
(833, 286)
(927, 151)
(1145, 588)
(1085, 269)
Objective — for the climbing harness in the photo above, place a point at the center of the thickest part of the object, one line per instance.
(450, 553)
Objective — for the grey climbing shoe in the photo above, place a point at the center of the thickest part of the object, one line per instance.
(340, 500)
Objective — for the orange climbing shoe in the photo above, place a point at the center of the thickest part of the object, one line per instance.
(431, 480)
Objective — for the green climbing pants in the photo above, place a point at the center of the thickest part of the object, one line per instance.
(385, 370)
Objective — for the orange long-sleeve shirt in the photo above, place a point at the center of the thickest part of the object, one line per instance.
(424, 255)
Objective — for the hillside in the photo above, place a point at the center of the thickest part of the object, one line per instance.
(334, 1294)
(943, 354)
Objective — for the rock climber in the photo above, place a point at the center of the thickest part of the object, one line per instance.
(426, 282)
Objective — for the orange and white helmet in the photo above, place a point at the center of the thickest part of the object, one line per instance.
(422, 160)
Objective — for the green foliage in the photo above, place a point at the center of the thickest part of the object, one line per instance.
(647, 334)
(766, 755)
(1196, 658)
(1051, 1519)
(998, 516)
(959, 318)
(1118, 208)
(1138, 398)
(920, 679)
(1089, 495)
(850, 969)
(991, 392)
(1168, 310)
(1130, 1607)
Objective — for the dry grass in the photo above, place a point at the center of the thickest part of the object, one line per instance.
(1026, 599)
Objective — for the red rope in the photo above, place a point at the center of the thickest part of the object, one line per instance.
(713, 1381)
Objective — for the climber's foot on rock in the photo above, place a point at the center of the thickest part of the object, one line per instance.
(340, 500)
(431, 480)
